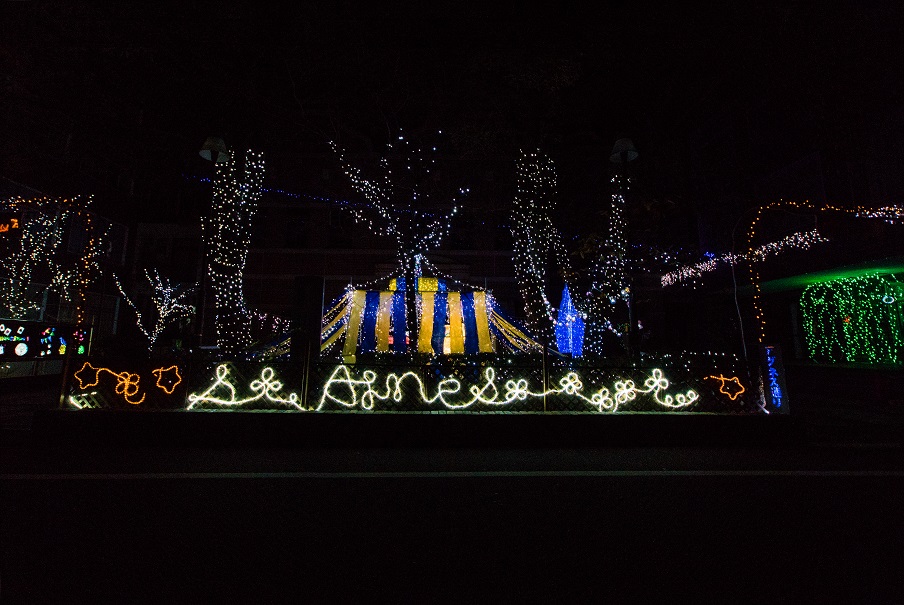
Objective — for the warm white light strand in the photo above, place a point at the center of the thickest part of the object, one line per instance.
(39, 252)
(168, 302)
(346, 390)
(227, 233)
(802, 240)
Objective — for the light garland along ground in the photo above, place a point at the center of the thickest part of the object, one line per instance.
(346, 389)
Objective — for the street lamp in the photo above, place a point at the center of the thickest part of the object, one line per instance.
(214, 150)
(623, 152)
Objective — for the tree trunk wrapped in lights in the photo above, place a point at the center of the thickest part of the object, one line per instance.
(227, 233)
(608, 274)
(535, 239)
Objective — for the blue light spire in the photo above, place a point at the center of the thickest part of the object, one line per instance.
(569, 327)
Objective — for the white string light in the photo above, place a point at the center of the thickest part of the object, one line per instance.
(802, 240)
(265, 388)
(401, 205)
(39, 250)
(168, 302)
(364, 393)
(608, 274)
(227, 233)
(535, 238)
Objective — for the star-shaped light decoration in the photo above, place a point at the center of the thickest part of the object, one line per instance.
(85, 373)
(168, 378)
(733, 392)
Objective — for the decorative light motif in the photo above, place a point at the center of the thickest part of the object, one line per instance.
(39, 250)
(609, 284)
(776, 394)
(535, 238)
(402, 205)
(11, 224)
(733, 393)
(851, 320)
(227, 233)
(126, 382)
(267, 388)
(569, 327)
(609, 273)
(168, 301)
(82, 401)
(364, 394)
(170, 376)
(884, 213)
(471, 316)
(802, 240)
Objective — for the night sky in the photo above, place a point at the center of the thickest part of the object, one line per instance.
(135, 88)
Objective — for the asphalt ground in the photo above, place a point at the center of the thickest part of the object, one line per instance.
(804, 513)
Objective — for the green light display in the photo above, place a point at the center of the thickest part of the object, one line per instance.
(856, 319)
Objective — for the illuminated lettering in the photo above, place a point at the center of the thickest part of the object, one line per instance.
(363, 392)
(266, 388)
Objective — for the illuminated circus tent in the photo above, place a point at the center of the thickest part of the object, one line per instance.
(452, 321)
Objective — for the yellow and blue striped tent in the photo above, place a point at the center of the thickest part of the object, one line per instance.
(451, 322)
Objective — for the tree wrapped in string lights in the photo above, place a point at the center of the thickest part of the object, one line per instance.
(227, 234)
(406, 203)
(608, 272)
(536, 239)
(33, 251)
(169, 300)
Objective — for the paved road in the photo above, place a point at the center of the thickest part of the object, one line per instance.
(812, 520)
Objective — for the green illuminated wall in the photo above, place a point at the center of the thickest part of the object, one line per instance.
(855, 319)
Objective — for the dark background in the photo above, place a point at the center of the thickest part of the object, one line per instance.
(116, 99)
(731, 105)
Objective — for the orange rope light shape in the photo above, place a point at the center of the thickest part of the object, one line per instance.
(160, 372)
(724, 382)
(126, 382)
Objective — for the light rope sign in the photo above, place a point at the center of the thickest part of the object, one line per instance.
(127, 385)
(346, 389)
